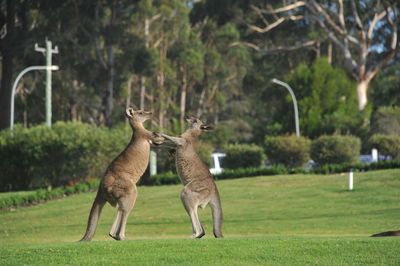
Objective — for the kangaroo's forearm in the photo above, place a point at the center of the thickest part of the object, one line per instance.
(175, 140)
(165, 145)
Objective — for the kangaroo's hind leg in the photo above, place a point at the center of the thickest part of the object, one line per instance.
(215, 204)
(125, 205)
(190, 203)
(117, 221)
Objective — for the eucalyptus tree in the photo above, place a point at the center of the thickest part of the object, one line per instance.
(365, 32)
(103, 24)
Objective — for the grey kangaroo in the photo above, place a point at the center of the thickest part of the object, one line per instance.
(199, 186)
(118, 185)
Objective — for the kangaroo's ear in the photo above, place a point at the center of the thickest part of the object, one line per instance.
(206, 127)
(129, 112)
(190, 119)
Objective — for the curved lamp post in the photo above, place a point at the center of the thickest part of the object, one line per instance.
(15, 86)
(296, 111)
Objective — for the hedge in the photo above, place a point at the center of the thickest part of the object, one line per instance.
(346, 167)
(243, 156)
(42, 195)
(40, 157)
(252, 171)
(335, 149)
(385, 144)
(164, 179)
(291, 151)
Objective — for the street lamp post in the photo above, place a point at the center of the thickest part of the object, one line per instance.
(23, 72)
(296, 111)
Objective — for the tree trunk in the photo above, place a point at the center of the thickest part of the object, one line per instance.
(183, 101)
(128, 98)
(74, 102)
(109, 95)
(142, 92)
(142, 78)
(329, 53)
(200, 108)
(362, 89)
(7, 67)
(5, 90)
(162, 99)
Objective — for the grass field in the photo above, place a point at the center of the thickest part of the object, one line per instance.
(296, 219)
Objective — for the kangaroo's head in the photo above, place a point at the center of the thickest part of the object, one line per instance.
(197, 124)
(138, 116)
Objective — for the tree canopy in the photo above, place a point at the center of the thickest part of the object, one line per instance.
(212, 59)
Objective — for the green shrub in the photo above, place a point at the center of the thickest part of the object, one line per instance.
(40, 157)
(33, 198)
(164, 179)
(93, 183)
(69, 190)
(41, 194)
(335, 149)
(386, 145)
(291, 151)
(171, 178)
(17, 200)
(6, 202)
(81, 187)
(248, 172)
(243, 156)
(346, 167)
(55, 193)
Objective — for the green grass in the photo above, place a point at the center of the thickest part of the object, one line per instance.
(294, 219)
(230, 251)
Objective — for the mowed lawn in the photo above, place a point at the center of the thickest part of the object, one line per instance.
(293, 219)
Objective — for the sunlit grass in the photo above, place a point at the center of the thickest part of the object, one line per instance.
(313, 217)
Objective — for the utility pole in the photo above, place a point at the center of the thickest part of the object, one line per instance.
(14, 87)
(48, 52)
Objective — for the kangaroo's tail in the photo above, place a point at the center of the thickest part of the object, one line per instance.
(388, 233)
(216, 209)
(94, 215)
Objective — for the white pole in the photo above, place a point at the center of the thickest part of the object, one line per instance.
(351, 180)
(374, 155)
(48, 52)
(153, 163)
(217, 166)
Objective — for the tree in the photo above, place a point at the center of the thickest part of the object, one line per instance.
(386, 87)
(326, 98)
(364, 31)
(103, 23)
(14, 30)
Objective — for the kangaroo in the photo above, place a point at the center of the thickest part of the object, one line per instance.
(199, 186)
(118, 185)
(388, 233)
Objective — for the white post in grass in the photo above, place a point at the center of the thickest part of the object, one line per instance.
(351, 179)
(374, 155)
(153, 163)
